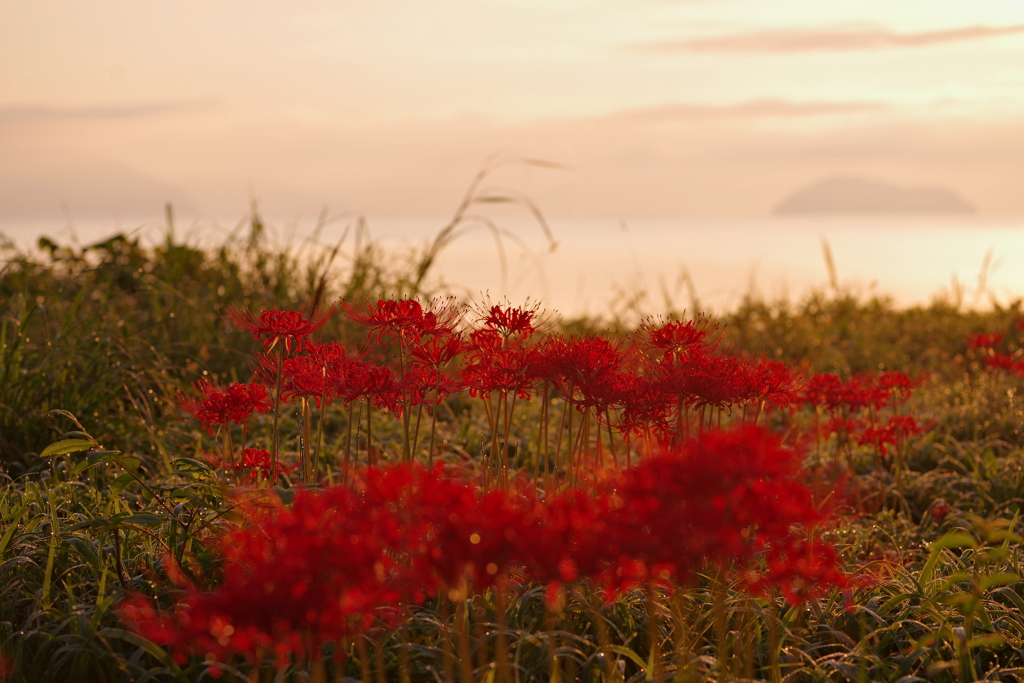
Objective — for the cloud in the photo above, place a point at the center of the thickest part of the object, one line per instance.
(37, 113)
(754, 109)
(819, 40)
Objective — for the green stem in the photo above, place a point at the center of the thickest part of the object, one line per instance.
(307, 465)
(370, 459)
(277, 416)
(320, 438)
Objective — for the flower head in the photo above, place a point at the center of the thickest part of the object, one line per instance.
(404, 319)
(257, 462)
(214, 408)
(276, 326)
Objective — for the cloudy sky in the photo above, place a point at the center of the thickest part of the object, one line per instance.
(654, 107)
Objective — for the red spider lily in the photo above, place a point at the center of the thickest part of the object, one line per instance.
(720, 500)
(437, 350)
(405, 319)
(769, 381)
(586, 365)
(1001, 361)
(645, 406)
(236, 404)
(892, 433)
(1005, 362)
(509, 321)
(678, 338)
(451, 531)
(293, 578)
(861, 391)
(584, 536)
(561, 549)
(428, 385)
(984, 341)
(371, 382)
(842, 425)
(257, 462)
(829, 391)
(315, 374)
(276, 326)
(894, 388)
(717, 381)
(938, 510)
(492, 366)
(802, 569)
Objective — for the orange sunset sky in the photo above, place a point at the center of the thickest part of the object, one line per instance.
(656, 107)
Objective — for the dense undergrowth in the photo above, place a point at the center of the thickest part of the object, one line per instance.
(100, 346)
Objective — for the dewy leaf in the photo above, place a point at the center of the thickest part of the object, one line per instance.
(956, 539)
(1002, 579)
(143, 518)
(149, 646)
(987, 640)
(121, 483)
(67, 446)
(96, 456)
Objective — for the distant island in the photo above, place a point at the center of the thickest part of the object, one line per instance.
(857, 195)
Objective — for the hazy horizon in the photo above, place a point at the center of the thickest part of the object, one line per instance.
(654, 107)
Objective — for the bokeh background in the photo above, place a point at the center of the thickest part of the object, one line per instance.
(705, 149)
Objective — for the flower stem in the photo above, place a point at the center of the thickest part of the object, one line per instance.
(277, 416)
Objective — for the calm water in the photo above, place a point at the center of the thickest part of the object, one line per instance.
(602, 264)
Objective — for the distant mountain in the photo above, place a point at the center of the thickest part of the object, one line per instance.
(858, 195)
(85, 187)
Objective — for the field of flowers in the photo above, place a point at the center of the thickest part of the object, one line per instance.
(246, 465)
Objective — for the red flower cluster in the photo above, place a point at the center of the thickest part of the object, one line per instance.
(300, 576)
(315, 373)
(214, 409)
(404, 320)
(276, 326)
(257, 462)
(294, 578)
(997, 352)
(891, 434)
(860, 391)
(985, 341)
(853, 408)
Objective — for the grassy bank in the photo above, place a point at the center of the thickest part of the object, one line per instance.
(115, 335)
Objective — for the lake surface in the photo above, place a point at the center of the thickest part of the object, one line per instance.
(603, 264)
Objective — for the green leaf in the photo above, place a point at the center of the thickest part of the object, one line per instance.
(190, 462)
(987, 640)
(64, 413)
(149, 646)
(97, 456)
(629, 654)
(67, 446)
(81, 467)
(98, 523)
(143, 518)
(121, 483)
(131, 464)
(1012, 596)
(13, 520)
(895, 600)
(286, 495)
(955, 539)
(997, 580)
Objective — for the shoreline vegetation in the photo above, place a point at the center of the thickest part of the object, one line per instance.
(819, 489)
